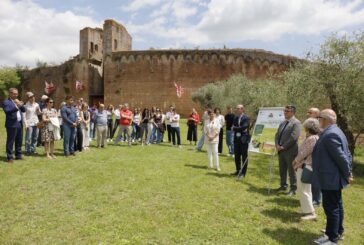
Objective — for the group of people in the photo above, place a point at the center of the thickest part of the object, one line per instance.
(77, 124)
(319, 167)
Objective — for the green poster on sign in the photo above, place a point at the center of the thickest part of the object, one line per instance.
(266, 126)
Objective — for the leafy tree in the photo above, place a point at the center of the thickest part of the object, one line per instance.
(334, 77)
(9, 78)
(238, 89)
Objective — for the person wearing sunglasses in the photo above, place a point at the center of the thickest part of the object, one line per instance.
(332, 167)
(286, 142)
(49, 131)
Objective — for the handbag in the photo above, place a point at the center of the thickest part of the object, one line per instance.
(40, 125)
(306, 176)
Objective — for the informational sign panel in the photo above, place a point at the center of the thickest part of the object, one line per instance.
(265, 128)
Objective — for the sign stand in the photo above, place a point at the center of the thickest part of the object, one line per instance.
(271, 172)
(239, 176)
(263, 137)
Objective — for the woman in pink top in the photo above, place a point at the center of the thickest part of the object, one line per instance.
(304, 160)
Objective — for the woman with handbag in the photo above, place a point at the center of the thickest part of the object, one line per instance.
(47, 132)
(303, 167)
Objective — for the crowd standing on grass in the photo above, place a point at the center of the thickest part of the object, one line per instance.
(318, 168)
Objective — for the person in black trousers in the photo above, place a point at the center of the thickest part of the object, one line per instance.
(79, 134)
(221, 119)
(241, 140)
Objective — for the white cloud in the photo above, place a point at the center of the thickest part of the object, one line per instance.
(139, 4)
(270, 19)
(30, 32)
(240, 20)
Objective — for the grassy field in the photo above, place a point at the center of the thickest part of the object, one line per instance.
(154, 195)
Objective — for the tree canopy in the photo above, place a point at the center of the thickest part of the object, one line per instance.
(331, 78)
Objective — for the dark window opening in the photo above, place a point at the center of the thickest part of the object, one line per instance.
(92, 47)
(115, 44)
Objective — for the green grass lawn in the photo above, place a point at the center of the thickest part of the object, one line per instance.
(154, 195)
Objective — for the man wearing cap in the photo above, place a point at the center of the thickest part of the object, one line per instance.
(13, 123)
(32, 111)
(286, 141)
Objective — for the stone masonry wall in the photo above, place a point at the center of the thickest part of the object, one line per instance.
(64, 77)
(146, 78)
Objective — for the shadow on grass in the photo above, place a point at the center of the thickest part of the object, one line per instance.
(285, 216)
(285, 202)
(261, 190)
(290, 236)
(220, 175)
(195, 166)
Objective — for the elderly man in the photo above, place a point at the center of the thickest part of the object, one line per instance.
(100, 117)
(333, 170)
(13, 123)
(286, 141)
(126, 117)
(313, 113)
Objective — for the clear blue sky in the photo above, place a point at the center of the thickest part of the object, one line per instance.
(48, 30)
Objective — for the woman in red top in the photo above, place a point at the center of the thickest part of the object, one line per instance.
(192, 123)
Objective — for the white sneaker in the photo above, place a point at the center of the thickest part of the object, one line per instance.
(322, 239)
(309, 217)
(218, 169)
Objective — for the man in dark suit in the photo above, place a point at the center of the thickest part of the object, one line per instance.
(13, 109)
(241, 140)
(332, 169)
(286, 141)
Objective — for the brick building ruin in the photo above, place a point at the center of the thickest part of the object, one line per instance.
(110, 71)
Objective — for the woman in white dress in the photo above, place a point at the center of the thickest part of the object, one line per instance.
(85, 126)
(211, 131)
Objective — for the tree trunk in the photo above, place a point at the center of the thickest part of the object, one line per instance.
(342, 122)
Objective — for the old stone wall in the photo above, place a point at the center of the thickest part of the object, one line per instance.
(116, 37)
(146, 78)
(91, 43)
(64, 77)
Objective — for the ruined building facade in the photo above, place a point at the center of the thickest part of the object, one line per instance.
(110, 71)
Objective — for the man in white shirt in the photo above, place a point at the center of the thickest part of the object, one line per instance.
(168, 123)
(32, 110)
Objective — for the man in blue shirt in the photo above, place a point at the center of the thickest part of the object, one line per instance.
(69, 117)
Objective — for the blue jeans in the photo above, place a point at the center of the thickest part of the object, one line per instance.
(316, 193)
(154, 136)
(176, 133)
(68, 139)
(200, 142)
(92, 130)
(31, 137)
(230, 141)
(159, 136)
